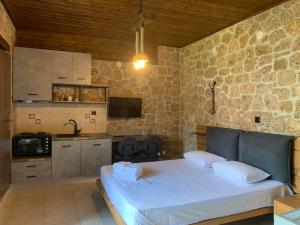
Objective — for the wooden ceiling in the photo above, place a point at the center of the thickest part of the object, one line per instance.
(106, 27)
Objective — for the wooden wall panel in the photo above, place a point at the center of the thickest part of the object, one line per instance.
(5, 112)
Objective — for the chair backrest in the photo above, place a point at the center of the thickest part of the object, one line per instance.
(153, 145)
(127, 146)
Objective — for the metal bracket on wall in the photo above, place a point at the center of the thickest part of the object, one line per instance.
(213, 94)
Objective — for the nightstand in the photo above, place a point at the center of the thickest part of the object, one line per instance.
(285, 204)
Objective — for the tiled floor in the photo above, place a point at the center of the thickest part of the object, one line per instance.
(78, 204)
(60, 205)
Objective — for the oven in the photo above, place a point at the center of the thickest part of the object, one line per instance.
(31, 145)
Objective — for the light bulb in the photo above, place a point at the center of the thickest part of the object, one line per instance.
(139, 64)
(140, 61)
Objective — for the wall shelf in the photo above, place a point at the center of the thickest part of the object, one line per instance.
(79, 94)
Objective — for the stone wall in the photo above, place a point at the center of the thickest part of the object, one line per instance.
(7, 29)
(256, 64)
(158, 85)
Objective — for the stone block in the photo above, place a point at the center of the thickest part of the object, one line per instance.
(286, 106)
(276, 36)
(286, 78)
(257, 103)
(262, 49)
(280, 64)
(295, 61)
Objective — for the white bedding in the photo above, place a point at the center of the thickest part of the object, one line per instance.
(176, 192)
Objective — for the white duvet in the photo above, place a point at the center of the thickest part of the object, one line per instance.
(176, 192)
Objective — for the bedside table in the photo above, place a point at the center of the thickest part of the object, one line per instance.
(285, 204)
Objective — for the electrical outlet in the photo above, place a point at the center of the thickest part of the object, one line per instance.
(257, 119)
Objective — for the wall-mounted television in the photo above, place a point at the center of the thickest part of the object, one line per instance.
(120, 107)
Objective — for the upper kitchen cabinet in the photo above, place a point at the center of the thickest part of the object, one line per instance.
(32, 74)
(62, 67)
(82, 68)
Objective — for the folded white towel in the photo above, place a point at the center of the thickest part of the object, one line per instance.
(130, 172)
(120, 166)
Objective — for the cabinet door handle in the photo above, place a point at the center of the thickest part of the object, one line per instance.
(96, 144)
(31, 166)
(80, 78)
(32, 94)
(62, 78)
(30, 177)
(66, 146)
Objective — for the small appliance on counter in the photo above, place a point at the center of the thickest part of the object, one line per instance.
(29, 144)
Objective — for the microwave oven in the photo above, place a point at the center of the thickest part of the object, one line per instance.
(31, 145)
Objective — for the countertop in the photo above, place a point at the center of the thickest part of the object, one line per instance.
(84, 136)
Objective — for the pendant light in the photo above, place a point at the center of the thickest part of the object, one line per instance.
(140, 59)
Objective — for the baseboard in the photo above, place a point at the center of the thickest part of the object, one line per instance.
(53, 183)
(5, 207)
(4, 200)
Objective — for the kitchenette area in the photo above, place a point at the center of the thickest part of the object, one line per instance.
(59, 117)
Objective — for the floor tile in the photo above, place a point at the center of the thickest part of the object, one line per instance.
(71, 223)
(61, 213)
(26, 219)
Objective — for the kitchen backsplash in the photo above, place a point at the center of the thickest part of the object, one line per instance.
(51, 117)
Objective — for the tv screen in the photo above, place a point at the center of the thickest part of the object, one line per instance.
(120, 107)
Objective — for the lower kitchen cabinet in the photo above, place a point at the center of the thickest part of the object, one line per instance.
(70, 159)
(94, 155)
(77, 158)
(66, 159)
(30, 171)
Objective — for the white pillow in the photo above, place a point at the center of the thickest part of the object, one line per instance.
(203, 159)
(239, 172)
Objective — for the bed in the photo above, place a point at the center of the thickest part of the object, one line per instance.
(176, 192)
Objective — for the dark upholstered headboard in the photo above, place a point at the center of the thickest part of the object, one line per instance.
(223, 142)
(269, 152)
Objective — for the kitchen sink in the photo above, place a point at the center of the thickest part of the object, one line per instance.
(71, 135)
(80, 136)
(66, 135)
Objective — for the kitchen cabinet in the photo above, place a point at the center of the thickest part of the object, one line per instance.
(62, 67)
(94, 155)
(32, 74)
(30, 171)
(66, 159)
(82, 68)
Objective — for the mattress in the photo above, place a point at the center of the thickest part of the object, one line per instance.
(176, 192)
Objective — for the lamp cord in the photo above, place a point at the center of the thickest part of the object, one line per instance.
(141, 7)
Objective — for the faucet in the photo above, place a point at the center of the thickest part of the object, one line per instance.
(74, 123)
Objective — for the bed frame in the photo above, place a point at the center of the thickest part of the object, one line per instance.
(227, 219)
(221, 220)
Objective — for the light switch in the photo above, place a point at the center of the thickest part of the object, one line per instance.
(257, 119)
